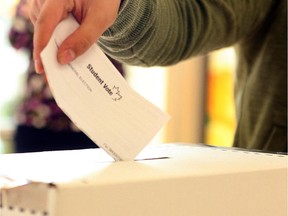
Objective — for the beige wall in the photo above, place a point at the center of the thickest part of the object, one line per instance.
(185, 101)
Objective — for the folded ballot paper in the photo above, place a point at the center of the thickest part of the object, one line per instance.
(98, 100)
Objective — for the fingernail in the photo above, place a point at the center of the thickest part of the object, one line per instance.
(67, 56)
(38, 67)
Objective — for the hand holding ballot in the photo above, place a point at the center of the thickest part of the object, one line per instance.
(98, 99)
(93, 24)
(84, 83)
(163, 33)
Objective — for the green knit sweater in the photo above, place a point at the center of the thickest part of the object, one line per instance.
(164, 32)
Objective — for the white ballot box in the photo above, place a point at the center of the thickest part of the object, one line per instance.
(165, 180)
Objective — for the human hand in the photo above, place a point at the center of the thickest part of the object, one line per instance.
(94, 17)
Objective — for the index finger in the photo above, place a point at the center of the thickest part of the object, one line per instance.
(50, 14)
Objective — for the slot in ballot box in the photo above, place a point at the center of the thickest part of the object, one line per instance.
(164, 180)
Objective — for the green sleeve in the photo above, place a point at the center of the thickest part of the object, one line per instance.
(163, 32)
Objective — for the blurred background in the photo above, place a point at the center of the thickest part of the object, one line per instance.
(197, 93)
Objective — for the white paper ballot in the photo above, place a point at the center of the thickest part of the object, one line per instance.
(98, 100)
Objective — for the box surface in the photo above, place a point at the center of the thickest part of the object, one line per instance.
(168, 180)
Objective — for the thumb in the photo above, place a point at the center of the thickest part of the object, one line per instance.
(92, 26)
(77, 43)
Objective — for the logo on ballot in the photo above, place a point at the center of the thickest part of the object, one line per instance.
(114, 91)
